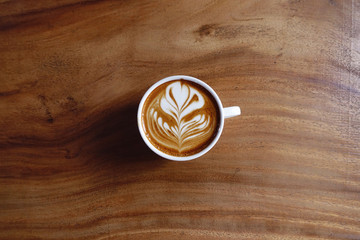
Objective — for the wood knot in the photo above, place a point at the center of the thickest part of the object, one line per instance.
(206, 30)
(43, 101)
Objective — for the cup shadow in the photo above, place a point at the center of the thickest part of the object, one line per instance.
(115, 144)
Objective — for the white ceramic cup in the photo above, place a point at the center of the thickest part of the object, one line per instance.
(224, 113)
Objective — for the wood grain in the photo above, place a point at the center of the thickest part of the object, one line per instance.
(73, 166)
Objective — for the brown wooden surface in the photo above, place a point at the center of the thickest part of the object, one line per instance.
(73, 166)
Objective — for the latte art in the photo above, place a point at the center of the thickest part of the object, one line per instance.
(180, 118)
(179, 102)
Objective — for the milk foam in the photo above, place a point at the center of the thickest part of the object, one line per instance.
(177, 117)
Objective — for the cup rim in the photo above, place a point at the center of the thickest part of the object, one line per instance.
(191, 79)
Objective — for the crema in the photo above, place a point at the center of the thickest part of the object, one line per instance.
(180, 118)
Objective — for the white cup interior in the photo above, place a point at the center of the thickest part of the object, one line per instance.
(165, 155)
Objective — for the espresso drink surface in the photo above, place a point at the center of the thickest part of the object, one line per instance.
(180, 118)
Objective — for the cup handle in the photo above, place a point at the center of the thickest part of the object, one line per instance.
(232, 112)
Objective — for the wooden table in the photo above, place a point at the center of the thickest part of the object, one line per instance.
(73, 165)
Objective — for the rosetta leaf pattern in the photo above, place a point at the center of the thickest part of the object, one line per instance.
(179, 102)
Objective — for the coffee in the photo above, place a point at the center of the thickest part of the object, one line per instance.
(180, 118)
